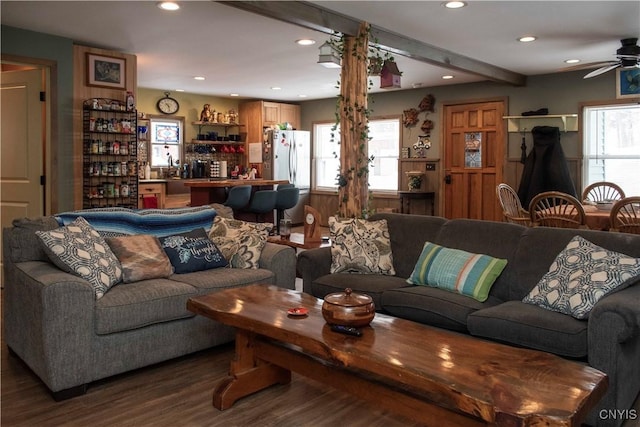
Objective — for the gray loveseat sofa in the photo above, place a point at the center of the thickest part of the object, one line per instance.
(55, 324)
(608, 341)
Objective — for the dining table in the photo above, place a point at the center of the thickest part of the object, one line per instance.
(596, 218)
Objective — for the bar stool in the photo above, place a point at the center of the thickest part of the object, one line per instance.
(287, 198)
(262, 202)
(238, 197)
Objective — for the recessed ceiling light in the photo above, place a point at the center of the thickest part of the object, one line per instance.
(527, 39)
(454, 4)
(198, 78)
(302, 96)
(572, 61)
(305, 42)
(168, 5)
(233, 94)
(179, 90)
(447, 77)
(275, 88)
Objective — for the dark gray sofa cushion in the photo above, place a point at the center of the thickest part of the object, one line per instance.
(533, 262)
(432, 306)
(21, 243)
(208, 281)
(497, 239)
(407, 234)
(135, 305)
(527, 325)
(371, 284)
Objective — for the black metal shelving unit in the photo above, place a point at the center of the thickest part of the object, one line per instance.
(110, 154)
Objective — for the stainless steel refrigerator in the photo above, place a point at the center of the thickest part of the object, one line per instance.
(287, 155)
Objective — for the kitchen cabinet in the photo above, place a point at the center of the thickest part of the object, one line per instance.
(152, 189)
(258, 115)
(109, 154)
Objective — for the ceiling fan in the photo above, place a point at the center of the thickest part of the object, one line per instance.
(628, 56)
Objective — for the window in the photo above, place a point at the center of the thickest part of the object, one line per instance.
(612, 146)
(384, 146)
(166, 142)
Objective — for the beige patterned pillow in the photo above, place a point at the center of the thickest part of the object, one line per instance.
(360, 246)
(240, 242)
(141, 257)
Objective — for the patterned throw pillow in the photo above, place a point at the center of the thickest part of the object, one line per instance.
(192, 251)
(580, 276)
(360, 246)
(457, 271)
(240, 242)
(78, 249)
(141, 257)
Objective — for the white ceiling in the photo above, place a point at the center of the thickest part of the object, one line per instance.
(242, 52)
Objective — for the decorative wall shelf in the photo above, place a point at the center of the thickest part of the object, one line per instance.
(566, 122)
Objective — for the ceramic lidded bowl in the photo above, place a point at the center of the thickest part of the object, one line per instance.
(348, 308)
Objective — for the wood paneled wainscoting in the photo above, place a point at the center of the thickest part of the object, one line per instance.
(327, 203)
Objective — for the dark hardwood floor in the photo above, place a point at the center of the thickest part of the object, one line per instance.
(179, 393)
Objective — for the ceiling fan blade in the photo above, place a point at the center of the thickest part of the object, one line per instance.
(631, 57)
(601, 70)
(589, 65)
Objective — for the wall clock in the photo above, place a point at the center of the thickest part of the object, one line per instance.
(168, 105)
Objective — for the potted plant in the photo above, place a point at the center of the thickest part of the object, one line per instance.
(415, 180)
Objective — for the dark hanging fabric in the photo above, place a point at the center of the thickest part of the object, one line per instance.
(546, 167)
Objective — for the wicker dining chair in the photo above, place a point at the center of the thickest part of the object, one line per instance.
(625, 215)
(511, 207)
(556, 209)
(602, 191)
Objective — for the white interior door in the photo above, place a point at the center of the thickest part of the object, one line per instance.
(21, 143)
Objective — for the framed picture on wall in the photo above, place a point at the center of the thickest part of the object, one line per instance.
(627, 83)
(106, 71)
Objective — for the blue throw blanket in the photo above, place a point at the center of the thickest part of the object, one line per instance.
(113, 222)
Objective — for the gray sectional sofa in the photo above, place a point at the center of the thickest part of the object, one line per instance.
(55, 324)
(609, 340)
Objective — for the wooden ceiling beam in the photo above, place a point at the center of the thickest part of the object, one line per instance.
(314, 17)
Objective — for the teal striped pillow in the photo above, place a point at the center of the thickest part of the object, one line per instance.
(456, 271)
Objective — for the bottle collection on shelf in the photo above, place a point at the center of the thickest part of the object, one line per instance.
(110, 149)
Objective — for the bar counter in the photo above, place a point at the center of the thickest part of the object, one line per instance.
(205, 191)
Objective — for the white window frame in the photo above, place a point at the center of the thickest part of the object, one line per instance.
(611, 146)
(326, 156)
(157, 153)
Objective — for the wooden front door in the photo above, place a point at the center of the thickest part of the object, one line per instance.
(474, 143)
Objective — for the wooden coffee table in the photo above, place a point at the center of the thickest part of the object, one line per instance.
(430, 375)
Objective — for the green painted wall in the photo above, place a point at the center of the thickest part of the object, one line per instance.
(190, 106)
